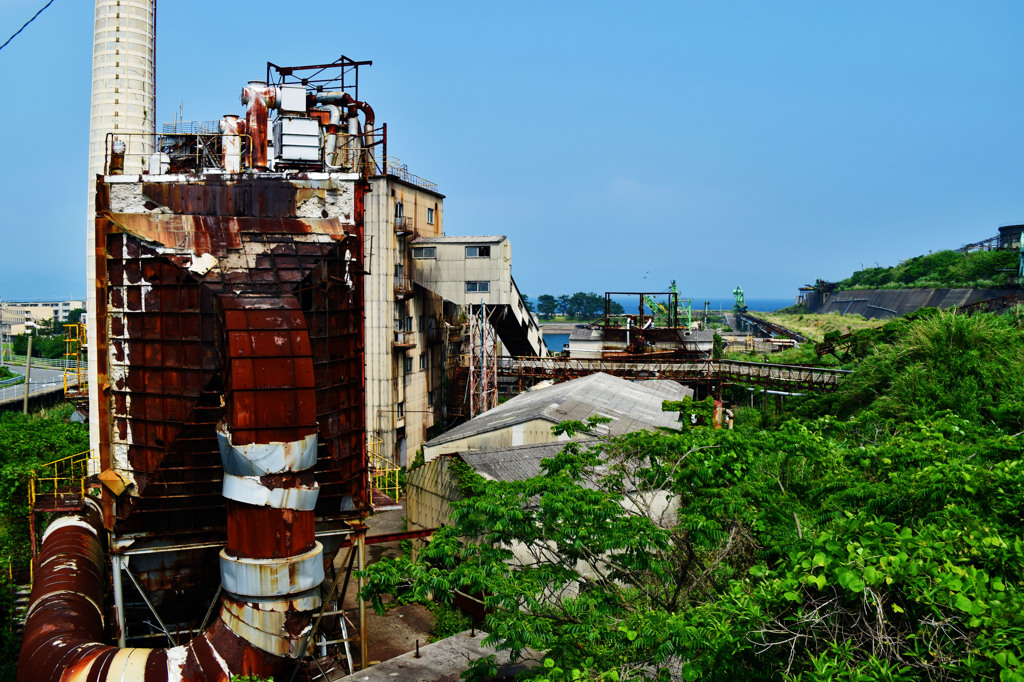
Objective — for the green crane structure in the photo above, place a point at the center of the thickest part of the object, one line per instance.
(661, 311)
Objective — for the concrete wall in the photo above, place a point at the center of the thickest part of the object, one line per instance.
(388, 385)
(449, 271)
(887, 303)
(430, 491)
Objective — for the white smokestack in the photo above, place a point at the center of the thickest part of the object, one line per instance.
(123, 103)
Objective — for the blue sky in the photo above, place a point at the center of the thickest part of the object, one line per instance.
(619, 147)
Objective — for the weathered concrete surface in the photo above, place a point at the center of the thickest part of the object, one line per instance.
(441, 661)
(887, 303)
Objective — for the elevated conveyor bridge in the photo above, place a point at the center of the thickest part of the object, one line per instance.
(528, 371)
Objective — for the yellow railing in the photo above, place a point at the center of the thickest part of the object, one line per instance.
(67, 472)
(383, 472)
(74, 338)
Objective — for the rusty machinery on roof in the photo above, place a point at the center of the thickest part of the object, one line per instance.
(317, 127)
(232, 439)
(639, 333)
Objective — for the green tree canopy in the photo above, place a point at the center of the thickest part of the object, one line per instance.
(885, 545)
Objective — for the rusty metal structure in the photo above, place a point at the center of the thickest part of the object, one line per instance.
(230, 375)
(648, 331)
(707, 372)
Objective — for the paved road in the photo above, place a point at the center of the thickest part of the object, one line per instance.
(43, 381)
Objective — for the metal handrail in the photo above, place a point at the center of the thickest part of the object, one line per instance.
(401, 171)
(383, 472)
(150, 144)
(403, 338)
(74, 335)
(76, 471)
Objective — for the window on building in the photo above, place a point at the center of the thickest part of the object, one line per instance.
(430, 216)
(420, 252)
(408, 323)
(478, 252)
(400, 408)
(430, 397)
(423, 361)
(407, 364)
(399, 210)
(477, 287)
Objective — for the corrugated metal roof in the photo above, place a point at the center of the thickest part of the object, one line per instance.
(514, 464)
(586, 334)
(631, 405)
(478, 239)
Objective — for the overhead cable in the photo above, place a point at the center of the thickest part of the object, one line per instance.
(26, 24)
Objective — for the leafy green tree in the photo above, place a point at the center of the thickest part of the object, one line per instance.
(563, 305)
(76, 315)
(547, 306)
(42, 346)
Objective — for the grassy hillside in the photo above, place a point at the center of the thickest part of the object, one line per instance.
(940, 269)
(815, 327)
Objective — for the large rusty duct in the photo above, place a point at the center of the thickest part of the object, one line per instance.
(255, 364)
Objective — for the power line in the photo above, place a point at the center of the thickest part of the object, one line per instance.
(26, 24)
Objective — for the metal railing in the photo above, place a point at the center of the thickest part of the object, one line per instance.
(185, 152)
(401, 171)
(403, 224)
(12, 393)
(405, 339)
(74, 337)
(68, 473)
(383, 472)
(50, 363)
(403, 285)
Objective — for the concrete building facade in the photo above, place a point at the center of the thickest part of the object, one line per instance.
(404, 359)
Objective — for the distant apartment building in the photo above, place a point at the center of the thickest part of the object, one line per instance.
(20, 318)
(61, 309)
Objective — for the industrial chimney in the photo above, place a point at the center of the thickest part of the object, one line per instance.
(124, 106)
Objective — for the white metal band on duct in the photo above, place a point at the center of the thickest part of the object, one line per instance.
(258, 459)
(271, 577)
(262, 623)
(249, 490)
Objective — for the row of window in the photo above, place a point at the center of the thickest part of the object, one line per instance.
(400, 213)
(424, 252)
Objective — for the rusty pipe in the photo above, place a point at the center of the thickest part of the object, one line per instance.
(259, 99)
(331, 141)
(271, 567)
(231, 128)
(64, 623)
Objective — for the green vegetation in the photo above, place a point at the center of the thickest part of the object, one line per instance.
(580, 306)
(940, 269)
(27, 442)
(448, 621)
(874, 534)
(815, 327)
(42, 346)
(5, 373)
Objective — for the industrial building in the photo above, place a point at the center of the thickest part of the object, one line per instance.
(261, 342)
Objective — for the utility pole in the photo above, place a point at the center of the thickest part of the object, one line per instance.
(28, 378)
